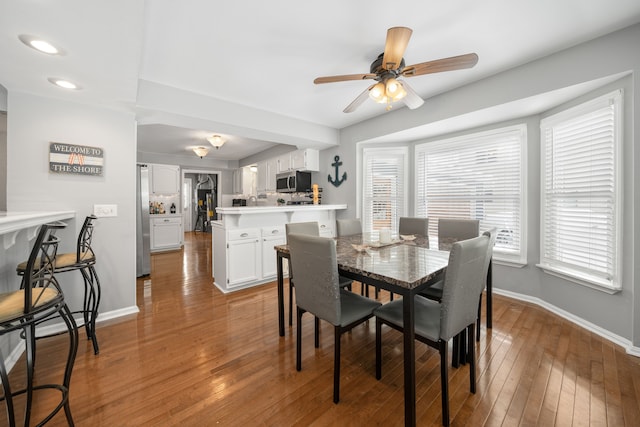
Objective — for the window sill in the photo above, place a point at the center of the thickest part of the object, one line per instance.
(508, 263)
(579, 280)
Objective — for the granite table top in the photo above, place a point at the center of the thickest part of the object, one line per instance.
(403, 264)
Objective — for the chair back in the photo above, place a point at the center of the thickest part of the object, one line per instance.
(348, 227)
(463, 284)
(84, 251)
(415, 226)
(452, 230)
(492, 242)
(309, 228)
(317, 288)
(38, 280)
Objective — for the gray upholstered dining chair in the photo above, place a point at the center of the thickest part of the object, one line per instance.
(414, 226)
(318, 292)
(348, 227)
(438, 322)
(311, 228)
(451, 230)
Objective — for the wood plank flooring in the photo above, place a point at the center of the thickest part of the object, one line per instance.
(194, 356)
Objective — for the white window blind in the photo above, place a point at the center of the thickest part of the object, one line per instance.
(479, 176)
(580, 194)
(384, 187)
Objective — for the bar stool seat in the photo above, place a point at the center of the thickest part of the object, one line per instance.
(38, 299)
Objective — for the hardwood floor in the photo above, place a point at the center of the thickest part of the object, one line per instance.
(196, 357)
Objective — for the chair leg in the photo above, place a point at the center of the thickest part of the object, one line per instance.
(7, 391)
(478, 320)
(30, 353)
(67, 316)
(471, 358)
(299, 339)
(290, 301)
(317, 331)
(97, 295)
(455, 359)
(336, 364)
(378, 349)
(444, 381)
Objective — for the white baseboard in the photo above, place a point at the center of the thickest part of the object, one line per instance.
(608, 335)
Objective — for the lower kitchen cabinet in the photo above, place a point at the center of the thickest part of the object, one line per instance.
(166, 233)
(271, 236)
(243, 257)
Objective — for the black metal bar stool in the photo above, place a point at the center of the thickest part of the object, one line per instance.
(83, 260)
(38, 299)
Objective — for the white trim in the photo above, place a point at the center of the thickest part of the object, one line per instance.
(608, 335)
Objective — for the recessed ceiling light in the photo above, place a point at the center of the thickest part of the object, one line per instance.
(40, 44)
(63, 83)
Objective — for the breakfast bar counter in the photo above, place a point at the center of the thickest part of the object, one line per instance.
(244, 238)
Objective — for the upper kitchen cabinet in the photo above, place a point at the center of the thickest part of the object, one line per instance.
(165, 179)
(301, 160)
(266, 175)
(244, 181)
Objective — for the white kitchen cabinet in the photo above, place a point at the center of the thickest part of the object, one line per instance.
(165, 179)
(302, 160)
(307, 160)
(243, 256)
(326, 228)
(166, 233)
(244, 181)
(271, 236)
(266, 175)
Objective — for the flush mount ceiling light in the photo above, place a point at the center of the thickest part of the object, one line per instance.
(40, 44)
(63, 83)
(216, 141)
(201, 151)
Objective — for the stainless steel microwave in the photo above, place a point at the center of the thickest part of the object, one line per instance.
(293, 182)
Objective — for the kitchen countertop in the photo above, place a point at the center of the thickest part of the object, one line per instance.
(14, 221)
(242, 210)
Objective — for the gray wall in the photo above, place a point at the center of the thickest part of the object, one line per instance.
(602, 61)
(3, 149)
(34, 121)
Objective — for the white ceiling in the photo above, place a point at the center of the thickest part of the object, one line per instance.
(265, 55)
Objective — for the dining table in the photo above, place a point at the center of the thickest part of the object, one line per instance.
(402, 267)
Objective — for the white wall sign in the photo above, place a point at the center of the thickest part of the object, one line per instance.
(75, 159)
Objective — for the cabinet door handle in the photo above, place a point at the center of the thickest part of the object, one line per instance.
(323, 226)
(244, 235)
(166, 220)
(275, 231)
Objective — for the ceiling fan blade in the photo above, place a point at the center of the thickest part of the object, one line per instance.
(344, 78)
(411, 99)
(396, 44)
(358, 101)
(440, 65)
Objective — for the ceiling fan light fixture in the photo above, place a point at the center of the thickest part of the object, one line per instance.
(201, 151)
(216, 141)
(394, 90)
(377, 93)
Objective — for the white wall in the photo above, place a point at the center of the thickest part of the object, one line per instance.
(603, 59)
(35, 121)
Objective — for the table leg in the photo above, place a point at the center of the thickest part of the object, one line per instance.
(489, 295)
(280, 294)
(409, 361)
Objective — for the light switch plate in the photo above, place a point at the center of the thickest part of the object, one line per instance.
(102, 211)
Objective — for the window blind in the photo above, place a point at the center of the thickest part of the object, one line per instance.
(477, 176)
(580, 202)
(384, 187)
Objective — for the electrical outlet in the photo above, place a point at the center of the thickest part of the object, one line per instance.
(102, 211)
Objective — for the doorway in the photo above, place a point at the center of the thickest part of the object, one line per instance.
(202, 193)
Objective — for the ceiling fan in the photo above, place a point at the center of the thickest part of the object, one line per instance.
(390, 64)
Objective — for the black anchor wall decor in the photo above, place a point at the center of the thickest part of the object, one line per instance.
(337, 163)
